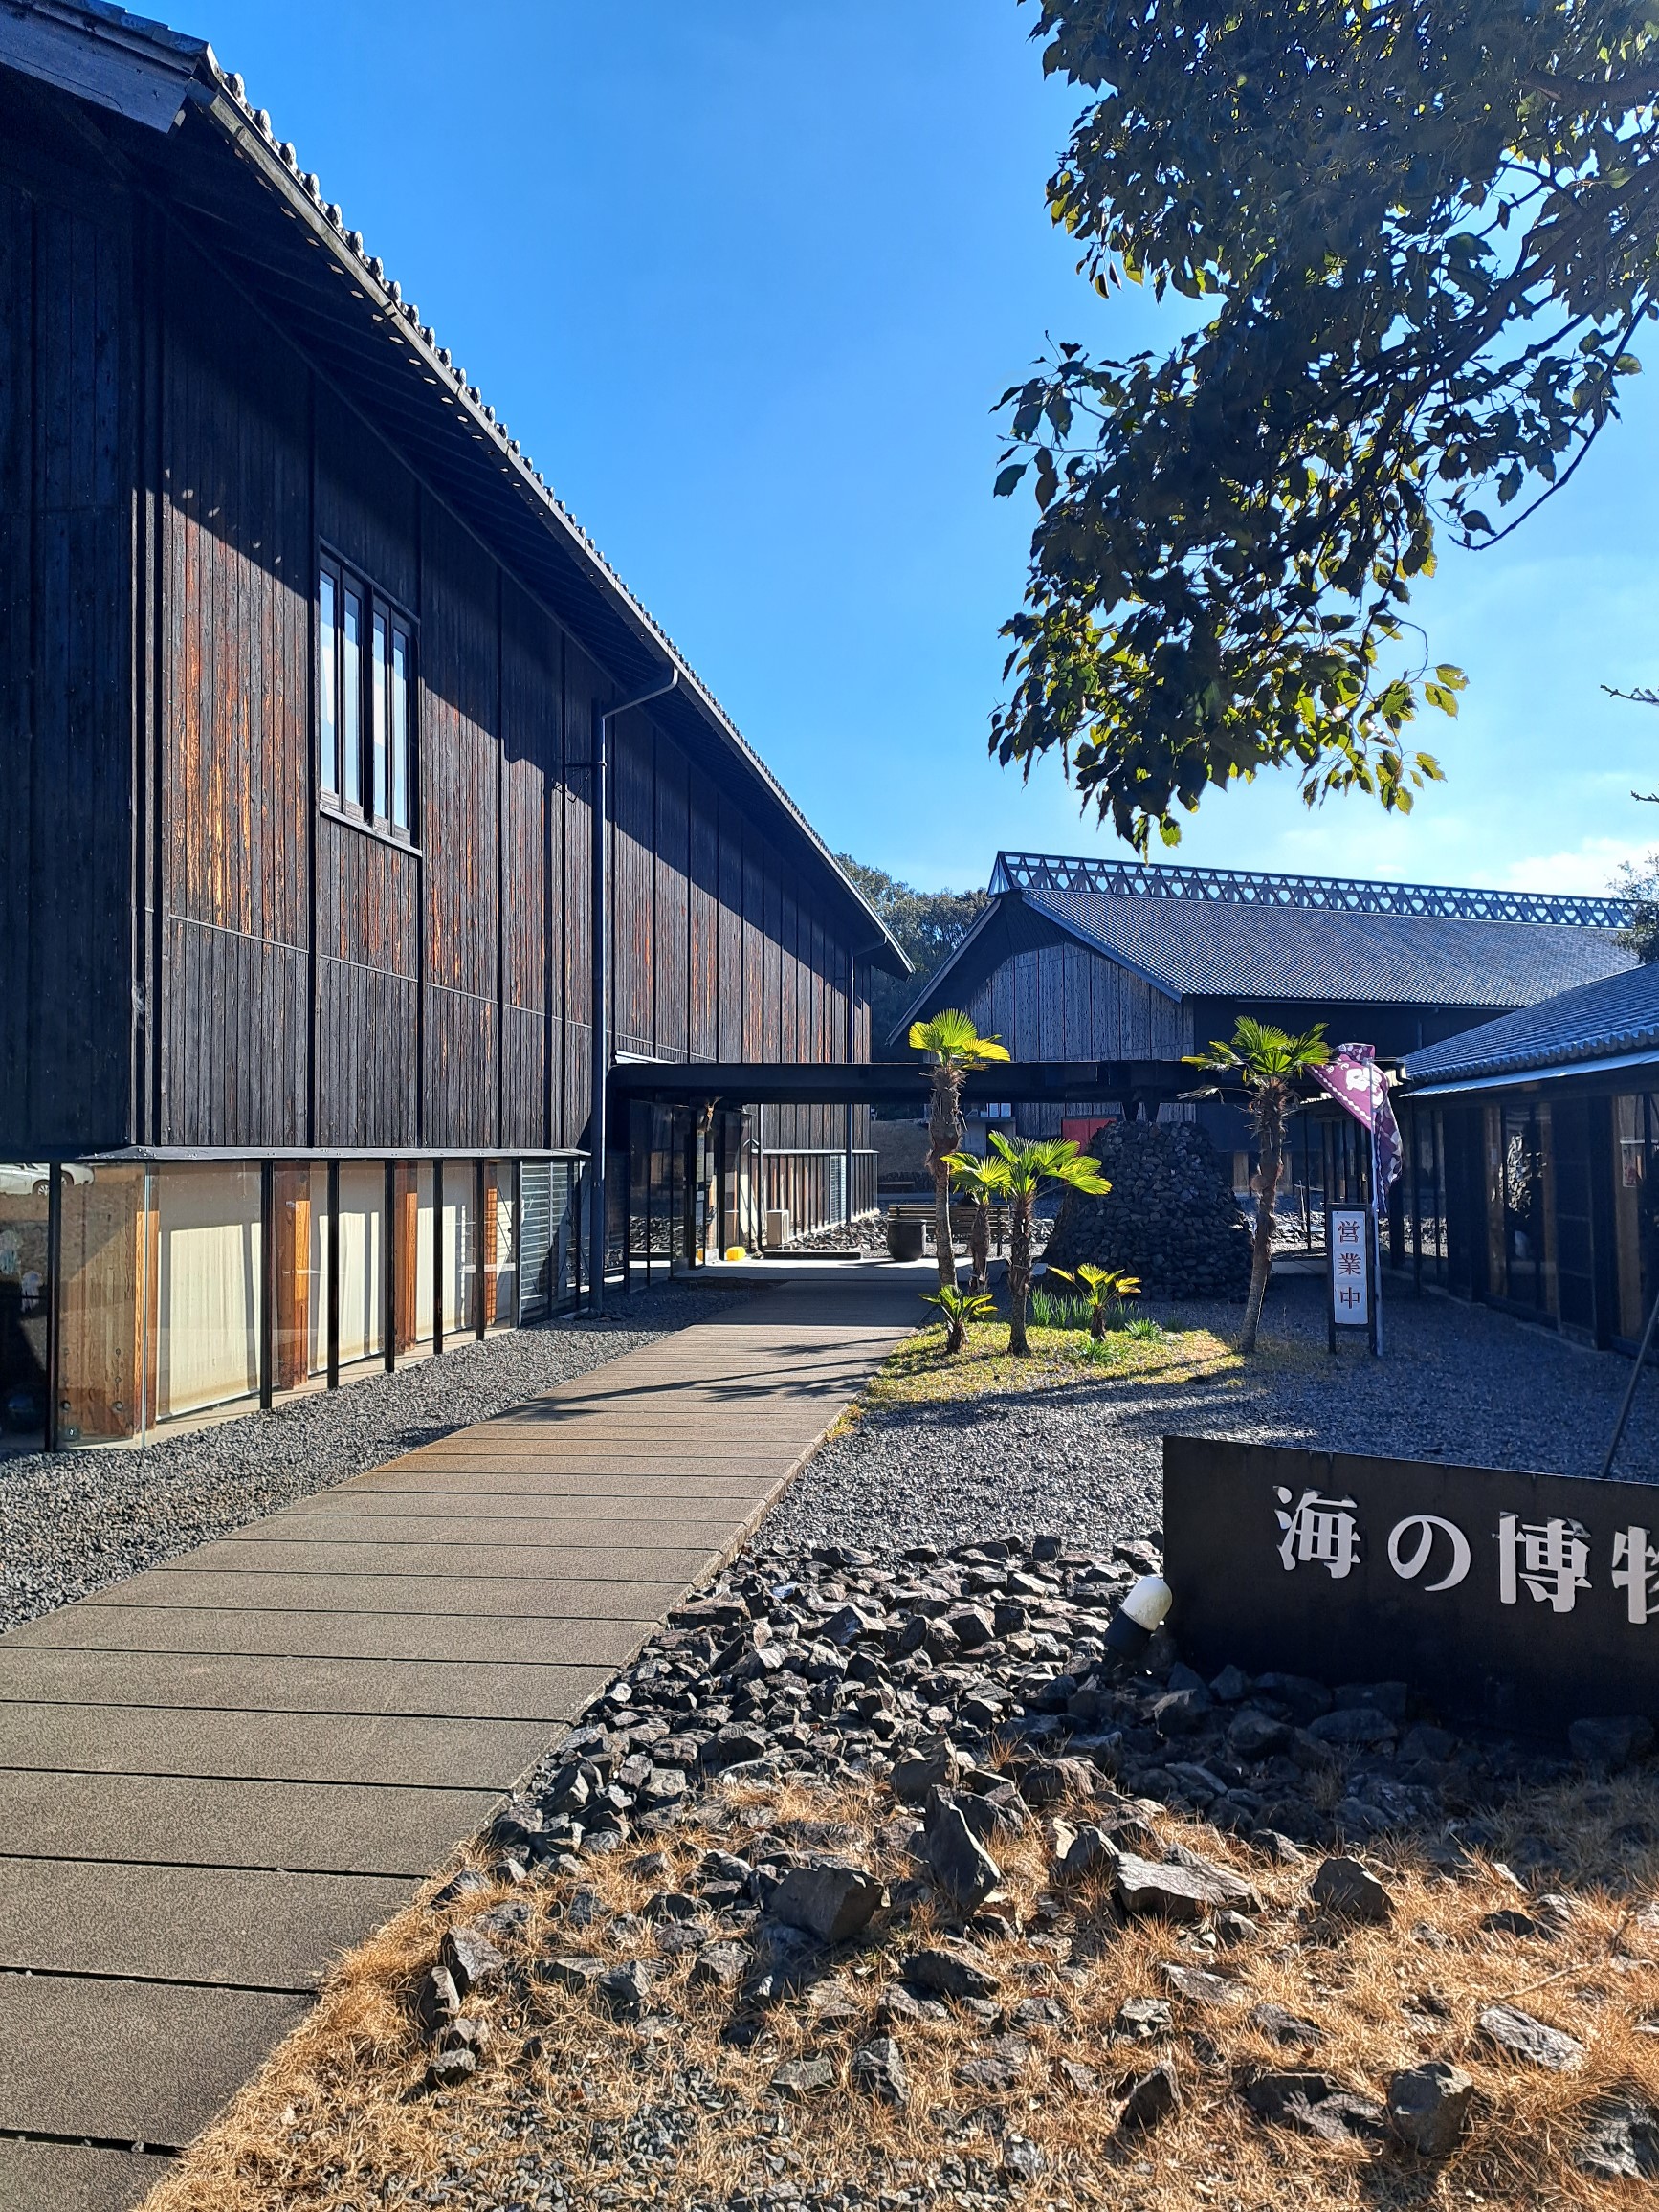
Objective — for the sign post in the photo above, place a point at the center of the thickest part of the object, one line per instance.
(1356, 1082)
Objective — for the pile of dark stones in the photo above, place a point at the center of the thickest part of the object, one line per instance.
(1170, 1216)
(973, 1696)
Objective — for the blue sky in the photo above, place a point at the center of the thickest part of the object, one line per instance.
(746, 278)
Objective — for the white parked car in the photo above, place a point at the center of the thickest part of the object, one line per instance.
(32, 1179)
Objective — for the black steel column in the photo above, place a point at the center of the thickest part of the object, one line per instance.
(389, 1302)
(437, 1258)
(55, 1300)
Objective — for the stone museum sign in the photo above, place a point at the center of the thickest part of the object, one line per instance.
(1529, 1601)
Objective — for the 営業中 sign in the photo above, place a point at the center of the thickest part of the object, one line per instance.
(1348, 1238)
(1524, 1599)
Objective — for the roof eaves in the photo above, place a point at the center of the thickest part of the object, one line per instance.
(1450, 1086)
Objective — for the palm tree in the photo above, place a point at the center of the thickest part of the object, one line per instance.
(1104, 1290)
(955, 1049)
(975, 1180)
(1021, 1170)
(1272, 1066)
(959, 1308)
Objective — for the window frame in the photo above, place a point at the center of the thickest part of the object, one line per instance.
(384, 623)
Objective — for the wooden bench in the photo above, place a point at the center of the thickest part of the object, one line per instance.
(900, 1211)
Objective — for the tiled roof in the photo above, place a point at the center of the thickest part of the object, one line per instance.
(1212, 948)
(1596, 1021)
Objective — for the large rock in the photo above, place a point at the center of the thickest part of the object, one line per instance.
(878, 2067)
(1314, 2104)
(959, 1860)
(829, 1899)
(1621, 2141)
(1429, 2107)
(1150, 2098)
(1170, 1216)
(951, 1970)
(470, 1959)
(1171, 1893)
(1519, 2034)
(1351, 1891)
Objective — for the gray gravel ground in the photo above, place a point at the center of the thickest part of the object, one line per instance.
(72, 1522)
(1459, 1383)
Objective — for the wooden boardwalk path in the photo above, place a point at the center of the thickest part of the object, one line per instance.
(218, 1776)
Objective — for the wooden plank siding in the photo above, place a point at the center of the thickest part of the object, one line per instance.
(1062, 1002)
(197, 949)
(67, 917)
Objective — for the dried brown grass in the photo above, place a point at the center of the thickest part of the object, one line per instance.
(337, 2114)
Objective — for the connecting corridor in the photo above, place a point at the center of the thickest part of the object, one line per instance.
(218, 1776)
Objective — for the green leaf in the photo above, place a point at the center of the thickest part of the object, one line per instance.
(1007, 480)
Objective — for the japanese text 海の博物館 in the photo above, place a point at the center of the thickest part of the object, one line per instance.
(1525, 1600)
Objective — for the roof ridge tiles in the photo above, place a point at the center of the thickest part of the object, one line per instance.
(1109, 877)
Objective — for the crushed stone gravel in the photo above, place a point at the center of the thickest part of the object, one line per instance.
(72, 1522)
(1457, 1382)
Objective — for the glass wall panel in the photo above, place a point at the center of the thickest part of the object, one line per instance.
(414, 1258)
(25, 1304)
(460, 1260)
(300, 1309)
(1520, 1205)
(1635, 1208)
(209, 1287)
(500, 1243)
(107, 1354)
(317, 1288)
(362, 1233)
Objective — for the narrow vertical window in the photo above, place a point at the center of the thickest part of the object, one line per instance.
(327, 686)
(377, 711)
(367, 708)
(401, 811)
(351, 700)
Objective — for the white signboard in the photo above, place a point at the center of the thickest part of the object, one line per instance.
(1347, 1228)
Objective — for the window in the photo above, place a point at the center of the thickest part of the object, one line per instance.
(366, 737)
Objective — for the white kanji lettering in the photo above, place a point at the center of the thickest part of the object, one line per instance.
(1636, 1572)
(1408, 1565)
(1319, 1531)
(1549, 1557)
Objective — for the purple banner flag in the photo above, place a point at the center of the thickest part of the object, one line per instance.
(1356, 1082)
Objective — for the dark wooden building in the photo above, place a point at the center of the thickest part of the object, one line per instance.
(1532, 1160)
(1102, 960)
(303, 668)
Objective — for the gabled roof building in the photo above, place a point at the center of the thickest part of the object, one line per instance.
(1104, 960)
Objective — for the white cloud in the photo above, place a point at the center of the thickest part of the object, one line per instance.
(1587, 868)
